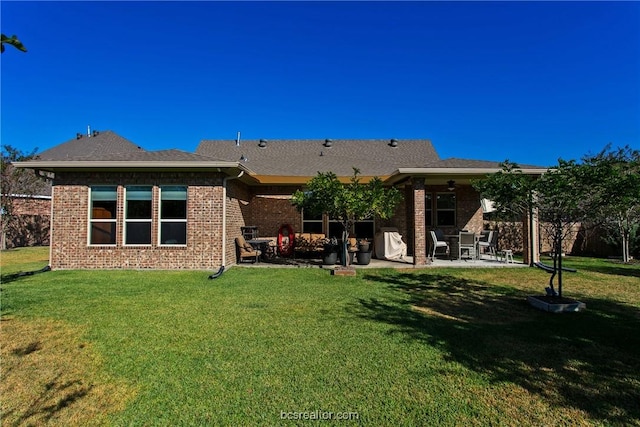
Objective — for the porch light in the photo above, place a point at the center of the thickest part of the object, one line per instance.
(451, 185)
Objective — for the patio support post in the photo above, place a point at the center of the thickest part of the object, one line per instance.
(419, 225)
(530, 235)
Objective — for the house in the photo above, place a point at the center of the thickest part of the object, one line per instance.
(26, 206)
(116, 205)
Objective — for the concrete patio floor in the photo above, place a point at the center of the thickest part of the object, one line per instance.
(483, 262)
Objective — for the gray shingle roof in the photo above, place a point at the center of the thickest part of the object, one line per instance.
(106, 143)
(374, 157)
(172, 155)
(457, 163)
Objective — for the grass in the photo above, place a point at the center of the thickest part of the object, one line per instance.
(411, 347)
(21, 260)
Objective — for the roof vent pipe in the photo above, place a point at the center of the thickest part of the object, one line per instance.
(96, 133)
(238, 139)
(328, 143)
(89, 131)
(262, 143)
(78, 135)
(393, 143)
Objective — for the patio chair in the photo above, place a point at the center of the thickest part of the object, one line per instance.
(467, 243)
(491, 244)
(436, 243)
(245, 251)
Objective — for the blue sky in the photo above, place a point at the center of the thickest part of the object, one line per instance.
(527, 81)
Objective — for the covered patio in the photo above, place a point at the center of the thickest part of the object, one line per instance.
(484, 262)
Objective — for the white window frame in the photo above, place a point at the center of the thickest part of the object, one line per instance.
(91, 220)
(128, 220)
(173, 220)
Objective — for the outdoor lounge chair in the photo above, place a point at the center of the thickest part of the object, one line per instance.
(245, 251)
(436, 244)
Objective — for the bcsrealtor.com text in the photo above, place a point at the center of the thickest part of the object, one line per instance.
(319, 415)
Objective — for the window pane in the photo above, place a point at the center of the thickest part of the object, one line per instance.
(312, 227)
(138, 209)
(446, 218)
(103, 193)
(173, 233)
(103, 209)
(174, 209)
(335, 229)
(363, 230)
(103, 233)
(138, 233)
(446, 201)
(310, 216)
(174, 193)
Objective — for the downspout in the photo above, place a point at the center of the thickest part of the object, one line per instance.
(51, 226)
(224, 214)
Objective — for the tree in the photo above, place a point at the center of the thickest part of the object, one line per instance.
(14, 182)
(12, 41)
(614, 178)
(511, 192)
(563, 199)
(347, 203)
(560, 197)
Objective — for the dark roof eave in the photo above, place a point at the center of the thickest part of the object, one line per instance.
(230, 168)
(401, 174)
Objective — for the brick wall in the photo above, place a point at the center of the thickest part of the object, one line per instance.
(238, 211)
(271, 208)
(468, 208)
(69, 243)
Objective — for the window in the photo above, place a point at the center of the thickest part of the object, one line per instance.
(102, 221)
(428, 210)
(364, 229)
(311, 223)
(335, 229)
(173, 215)
(137, 221)
(361, 229)
(446, 209)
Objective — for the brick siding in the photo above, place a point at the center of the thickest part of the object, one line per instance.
(70, 248)
(266, 207)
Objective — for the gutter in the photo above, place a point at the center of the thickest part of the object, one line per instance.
(462, 171)
(124, 164)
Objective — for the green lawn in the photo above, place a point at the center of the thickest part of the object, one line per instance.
(411, 347)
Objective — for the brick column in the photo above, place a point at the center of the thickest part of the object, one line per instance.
(420, 232)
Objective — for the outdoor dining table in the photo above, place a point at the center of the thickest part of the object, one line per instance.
(454, 240)
(263, 245)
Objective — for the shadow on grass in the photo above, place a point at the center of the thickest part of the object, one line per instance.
(6, 278)
(61, 395)
(588, 360)
(614, 268)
